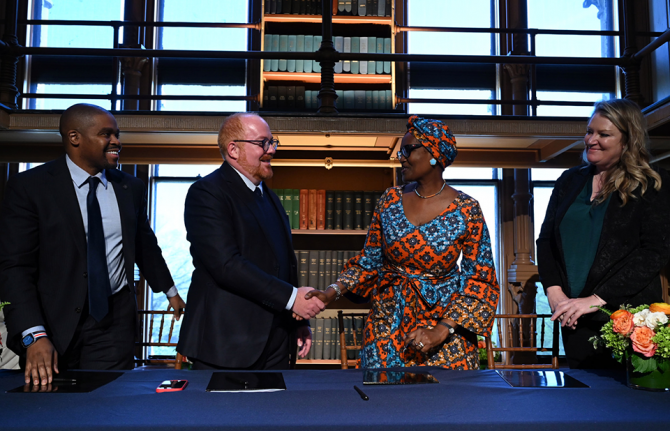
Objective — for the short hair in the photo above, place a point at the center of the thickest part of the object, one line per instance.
(633, 168)
(232, 128)
(78, 116)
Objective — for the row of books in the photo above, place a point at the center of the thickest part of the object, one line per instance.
(295, 7)
(295, 97)
(320, 268)
(328, 209)
(308, 43)
(344, 7)
(326, 337)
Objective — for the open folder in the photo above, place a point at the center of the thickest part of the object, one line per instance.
(246, 382)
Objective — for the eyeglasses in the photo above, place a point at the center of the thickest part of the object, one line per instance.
(406, 150)
(264, 143)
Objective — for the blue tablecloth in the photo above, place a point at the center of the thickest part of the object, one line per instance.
(326, 400)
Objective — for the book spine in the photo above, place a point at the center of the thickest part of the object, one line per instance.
(355, 48)
(300, 47)
(348, 206)
(361, 8)
(320, 209)
(313, 277)
(292, 46)
(329, 268)
(267, 46)
(387, 50)
(295, 215)
(307, 64)
(283, 47)
(312, 325)
(363, 49)
(290, 97)
(327, 337)
(372, 49)
(368, 208)
(322, 271)
(346, 64)
(349, 336)
(358, 210)
(303, 268)
(339, 210)
(300, 97)
(318, 348)
(330, 209)
(339, 47)
(380, 50)
(304, 208)
(334, 336)
(274, 63)
(311, 221)
(358, 334)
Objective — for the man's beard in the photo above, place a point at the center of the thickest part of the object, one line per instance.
(256, 171)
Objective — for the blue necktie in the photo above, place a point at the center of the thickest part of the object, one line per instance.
(99, 289)
(258, 192)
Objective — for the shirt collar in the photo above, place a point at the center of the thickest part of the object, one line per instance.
(247, 181)
(80, 176)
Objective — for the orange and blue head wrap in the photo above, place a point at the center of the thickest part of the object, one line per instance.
(436, 137)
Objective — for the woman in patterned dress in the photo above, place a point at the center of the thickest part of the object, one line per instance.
(425, 310)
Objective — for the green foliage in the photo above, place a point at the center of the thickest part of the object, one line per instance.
(616, 342)
(663, 365)
(642, 365)
(2, 305)
(662, 338)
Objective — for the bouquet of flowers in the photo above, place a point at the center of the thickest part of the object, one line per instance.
(640, 334)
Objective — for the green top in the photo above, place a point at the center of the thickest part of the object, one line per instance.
(580, 234)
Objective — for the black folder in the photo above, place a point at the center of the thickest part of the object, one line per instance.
(246, 382)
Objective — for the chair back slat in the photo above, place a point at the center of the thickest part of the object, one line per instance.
(160, 316)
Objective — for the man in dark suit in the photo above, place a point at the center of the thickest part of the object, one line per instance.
(71, 231)
(243, 290)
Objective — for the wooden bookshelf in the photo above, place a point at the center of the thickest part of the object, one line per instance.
(345, 26)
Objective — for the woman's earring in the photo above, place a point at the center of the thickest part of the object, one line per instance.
(433, 162)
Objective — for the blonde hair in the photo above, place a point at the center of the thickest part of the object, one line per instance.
(232, 128)
(632, 170)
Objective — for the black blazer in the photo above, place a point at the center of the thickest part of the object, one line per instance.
(235, 294)
(634, 243)
(43, 249)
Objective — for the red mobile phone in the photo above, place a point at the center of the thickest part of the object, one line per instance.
(172, 386)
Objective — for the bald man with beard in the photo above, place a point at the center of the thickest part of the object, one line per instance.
(70, 286)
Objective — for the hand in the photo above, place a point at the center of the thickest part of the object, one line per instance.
(424, 339)
(555, 297)
(307, 307)
(41, 360)
(304, 340)
(567, 312)
(178, 305)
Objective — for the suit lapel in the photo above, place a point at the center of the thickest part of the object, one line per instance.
(61, 190)
(247, 198)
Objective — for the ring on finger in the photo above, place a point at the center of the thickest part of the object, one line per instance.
(419, 345)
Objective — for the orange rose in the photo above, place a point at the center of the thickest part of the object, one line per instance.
(661, 307)
(481, 344)
(622, 322)
(641, 338)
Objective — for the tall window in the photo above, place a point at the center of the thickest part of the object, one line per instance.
(213, 77)
(73, 75)
(574, 83)
(451, 81)
(543, 184)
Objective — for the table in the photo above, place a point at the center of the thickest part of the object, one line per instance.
(326, 400)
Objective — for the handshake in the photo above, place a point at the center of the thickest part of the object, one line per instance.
(309, 302)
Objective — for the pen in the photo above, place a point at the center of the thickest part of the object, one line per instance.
(361, 393)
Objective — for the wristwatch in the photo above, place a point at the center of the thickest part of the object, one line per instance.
(29, 339)
(337, 290)
(448, 326)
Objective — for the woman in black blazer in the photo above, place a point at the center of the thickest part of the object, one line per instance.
(606, 233)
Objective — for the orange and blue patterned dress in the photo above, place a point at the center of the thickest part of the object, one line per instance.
(412, 277)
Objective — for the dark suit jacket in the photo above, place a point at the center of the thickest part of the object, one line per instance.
(634, 243)
(43, 249)
(235, 293)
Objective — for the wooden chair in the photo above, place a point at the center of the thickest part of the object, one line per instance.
(147, 319)
(355, 340)
(521, 337)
